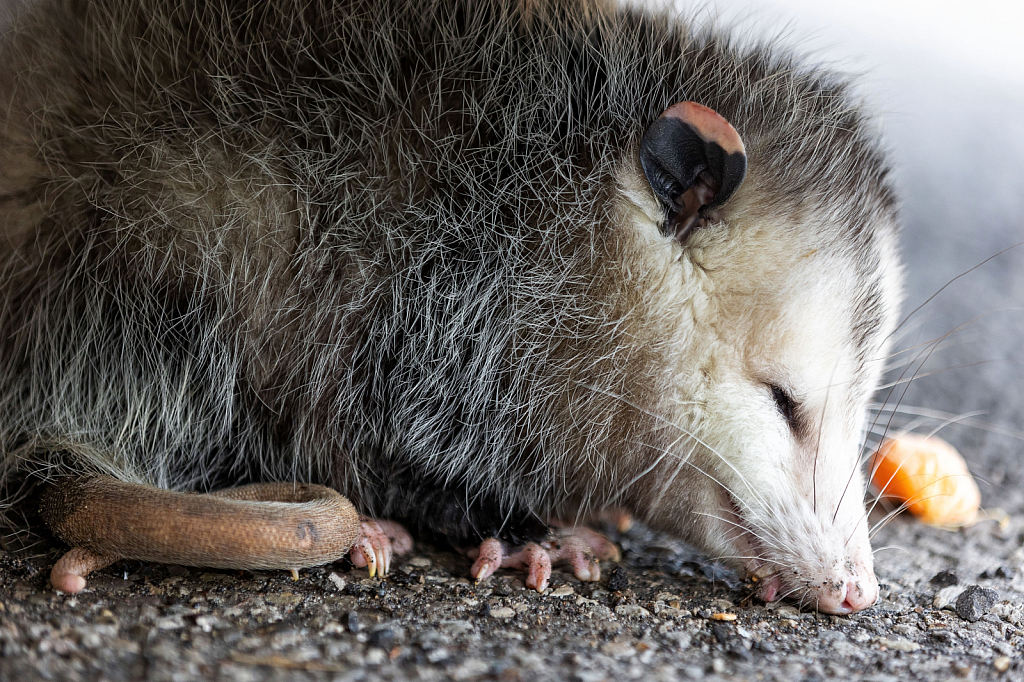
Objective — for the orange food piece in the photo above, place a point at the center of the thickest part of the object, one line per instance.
(930, 476)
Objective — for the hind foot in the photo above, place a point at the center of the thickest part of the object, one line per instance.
(378, 540)
(580, 547)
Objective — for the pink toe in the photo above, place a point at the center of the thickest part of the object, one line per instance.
(401, 541)
(576, 551)
(538, 566)
(584, 566)
(602, 547)
(356, 555)
(489, 559)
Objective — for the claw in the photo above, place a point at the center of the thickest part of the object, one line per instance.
(490, 557)
(295, 574)
(538, 562)
(378, 542)
(587, 571)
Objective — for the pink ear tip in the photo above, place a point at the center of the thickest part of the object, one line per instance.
(709, 124)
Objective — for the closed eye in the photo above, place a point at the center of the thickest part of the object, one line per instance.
(787, 406)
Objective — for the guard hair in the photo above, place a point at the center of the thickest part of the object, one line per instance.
(407, 245)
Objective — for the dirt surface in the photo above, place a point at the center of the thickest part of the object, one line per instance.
(664, 613)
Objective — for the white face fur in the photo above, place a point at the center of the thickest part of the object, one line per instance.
(765, 470)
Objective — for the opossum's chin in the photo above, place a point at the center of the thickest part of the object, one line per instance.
(837, 578)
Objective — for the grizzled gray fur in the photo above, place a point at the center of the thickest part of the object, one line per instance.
(384, 246)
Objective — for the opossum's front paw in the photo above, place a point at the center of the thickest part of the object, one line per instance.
(581, 548)
(378, 540)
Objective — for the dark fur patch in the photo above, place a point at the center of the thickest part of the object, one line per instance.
(454, 514)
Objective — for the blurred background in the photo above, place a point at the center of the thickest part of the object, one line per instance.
(947, 79)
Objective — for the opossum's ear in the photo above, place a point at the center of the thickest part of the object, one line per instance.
(694, 161)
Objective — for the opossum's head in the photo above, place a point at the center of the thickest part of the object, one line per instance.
(776, 299)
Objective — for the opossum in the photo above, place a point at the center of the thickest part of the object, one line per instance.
(476, 264)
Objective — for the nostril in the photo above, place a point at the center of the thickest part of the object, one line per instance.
(845, 605)
(850, 598)
(856, 599)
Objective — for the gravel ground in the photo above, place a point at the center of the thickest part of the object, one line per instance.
(664, 613)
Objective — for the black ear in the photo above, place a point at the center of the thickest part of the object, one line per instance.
(694, 160)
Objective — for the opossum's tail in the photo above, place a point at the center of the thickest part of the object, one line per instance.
(263, 526)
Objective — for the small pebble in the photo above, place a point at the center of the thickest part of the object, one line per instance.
(502, 612)
(899, 644)
(471, 668)
(631, 610)
(737, 650)
(352, 620)
(786, 611)
(945, 579)
(618, 580)
(723, 616)
(384, 638)
(961, 669)
(693, 672)
(974, 602)
(1006, 572)
(946, 597)
(457, 627)
(339, 582)
(563, 591)
(1001, 664)
(618, 650)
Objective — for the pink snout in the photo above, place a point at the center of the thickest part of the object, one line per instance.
(853, 592)
(849, 594)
